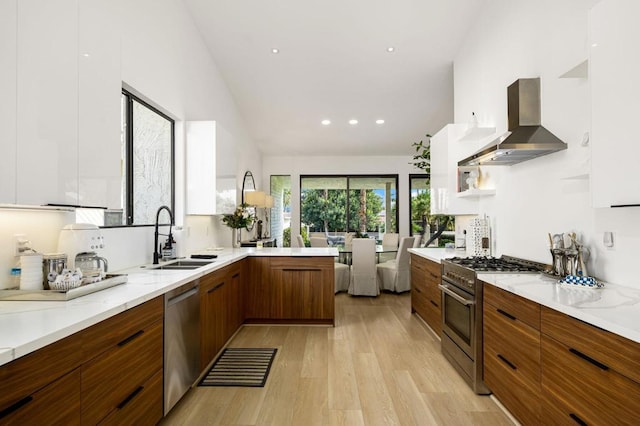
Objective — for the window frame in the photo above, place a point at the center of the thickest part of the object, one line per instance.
(128, 163)
(348, 188)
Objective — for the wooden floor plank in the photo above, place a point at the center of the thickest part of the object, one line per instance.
(380, 364)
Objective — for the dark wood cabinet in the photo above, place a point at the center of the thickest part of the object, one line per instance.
(221, 309)
(91, 375)
(589, 375)
(426, 297)
(549, 368)
(511, 330)
(290, 289)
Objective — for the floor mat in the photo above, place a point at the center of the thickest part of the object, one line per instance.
(240, 367)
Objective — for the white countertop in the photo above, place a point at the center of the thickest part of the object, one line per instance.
(29, 326)
(613, 308)
(437, 254)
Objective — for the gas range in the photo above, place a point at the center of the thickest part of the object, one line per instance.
(462, 310)
(507, 264)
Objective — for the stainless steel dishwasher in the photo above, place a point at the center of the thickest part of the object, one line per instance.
(181, 342)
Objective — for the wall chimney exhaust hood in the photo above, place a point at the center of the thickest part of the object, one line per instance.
(526, 138)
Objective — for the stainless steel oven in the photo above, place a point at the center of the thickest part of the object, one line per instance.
(459, 310)
(462, 311)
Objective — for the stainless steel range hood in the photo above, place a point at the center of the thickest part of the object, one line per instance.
(526, 138)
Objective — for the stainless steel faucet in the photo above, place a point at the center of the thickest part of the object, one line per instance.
(156, 249)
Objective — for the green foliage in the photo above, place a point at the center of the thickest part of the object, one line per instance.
(325, 209)
(286, 237)
(240, 218)
(422, 158)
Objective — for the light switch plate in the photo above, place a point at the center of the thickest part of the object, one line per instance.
(608, 240)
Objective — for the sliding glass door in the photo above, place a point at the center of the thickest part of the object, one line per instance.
(334, 205)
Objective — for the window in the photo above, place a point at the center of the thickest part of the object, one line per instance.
(148, 146)
(338, 204)
(421, 220)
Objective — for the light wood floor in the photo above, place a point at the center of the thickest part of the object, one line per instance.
(378, 365)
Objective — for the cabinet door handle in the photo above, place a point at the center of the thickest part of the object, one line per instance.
(130, 338)
(417, 290)
(506, 314)
(506, 361)
(15, 407)
(433, 303)
(236, 275)
(578, 419)
(211, 290)
(302, 268)
(589, 359)
(130, 397)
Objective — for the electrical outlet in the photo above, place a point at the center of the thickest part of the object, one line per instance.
(608, 239)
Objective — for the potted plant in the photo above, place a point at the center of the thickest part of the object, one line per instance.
(240, 218)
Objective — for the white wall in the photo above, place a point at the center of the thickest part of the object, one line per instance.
(342, 165)
(545, 38)
(165, 60)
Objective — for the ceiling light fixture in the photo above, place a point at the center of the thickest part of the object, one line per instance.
(353, 122)
(275, 50)
(379, 121)
(391, 49)
(326, 122)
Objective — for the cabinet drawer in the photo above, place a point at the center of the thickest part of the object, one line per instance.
(112, 331)
(519, 395)
(515, 306)
(513, 342)
(24, 376)
(142, 407)
(110, 378)
(616, 352)
(427, 309)
(57, 403)
(595, 393)
(302, 263)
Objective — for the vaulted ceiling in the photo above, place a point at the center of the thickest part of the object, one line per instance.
(333, 64)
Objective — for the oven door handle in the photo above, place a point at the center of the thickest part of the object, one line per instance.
(456, 296)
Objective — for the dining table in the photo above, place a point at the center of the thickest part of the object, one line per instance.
(345, 250)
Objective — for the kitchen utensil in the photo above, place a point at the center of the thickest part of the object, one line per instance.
(557, 242)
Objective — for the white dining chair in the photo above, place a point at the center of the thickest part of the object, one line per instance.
(348, 238)
(390, 239)
(319, 242)
(395, 275)
(363, 268)
(300, 240)
(342, 276)
(417, 240)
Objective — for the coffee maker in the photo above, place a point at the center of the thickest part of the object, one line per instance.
(84, 245)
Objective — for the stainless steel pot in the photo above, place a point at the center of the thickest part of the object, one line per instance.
(52, 263)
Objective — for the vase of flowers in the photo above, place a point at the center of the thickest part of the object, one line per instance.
(240, 218)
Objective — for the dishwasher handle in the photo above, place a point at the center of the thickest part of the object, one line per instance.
(182, 296)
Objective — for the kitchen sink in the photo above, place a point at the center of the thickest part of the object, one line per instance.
(183, 265)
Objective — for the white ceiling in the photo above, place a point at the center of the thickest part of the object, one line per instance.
(333, 64)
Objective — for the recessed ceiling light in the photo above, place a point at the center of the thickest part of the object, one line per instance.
(379, 121)
(353, 122)
(391, 49)
(275, 50)
(326, 122)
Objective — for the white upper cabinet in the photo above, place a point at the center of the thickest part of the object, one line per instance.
(449, 146)
(201, 167)
(99, 104)
(47, 102)
(615, 102)
(8, 40)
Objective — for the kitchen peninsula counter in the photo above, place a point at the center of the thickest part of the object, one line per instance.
(612, 308)
(29, 326)
(436, 254)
